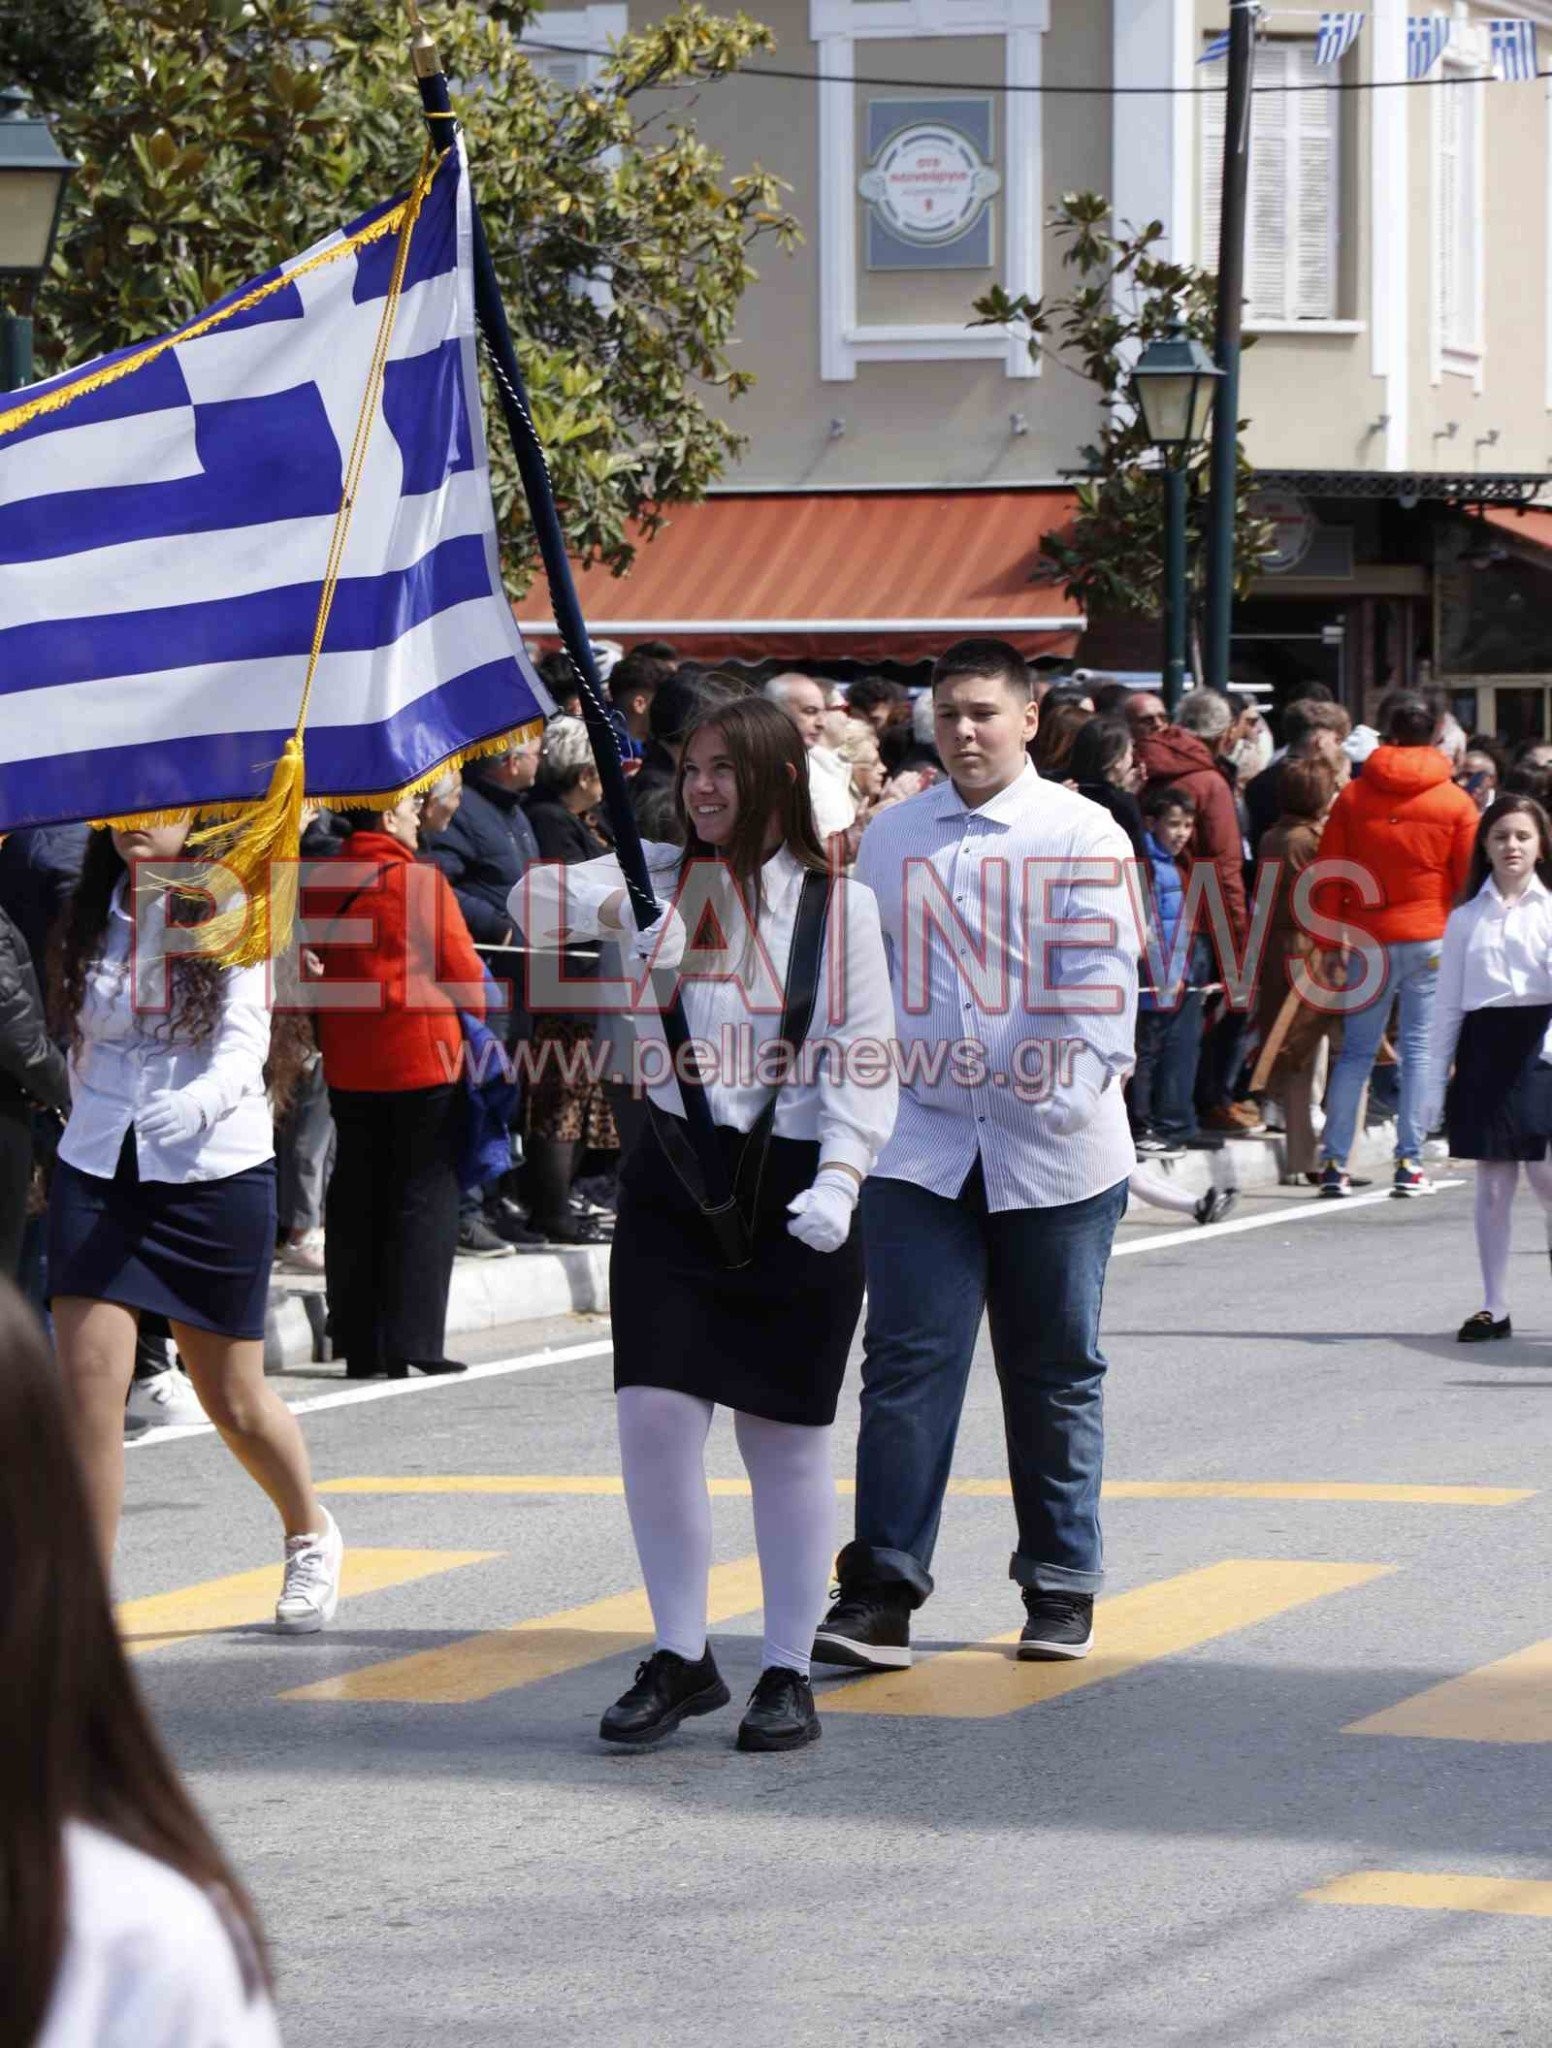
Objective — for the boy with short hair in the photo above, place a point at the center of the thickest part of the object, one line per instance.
(1169, 1026)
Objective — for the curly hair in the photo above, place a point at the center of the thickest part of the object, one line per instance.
(198, 984)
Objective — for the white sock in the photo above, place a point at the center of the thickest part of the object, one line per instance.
(663, 1458)
(1539, 1173)
(1496, 1180)
(1153, 1189)
(794, 1531)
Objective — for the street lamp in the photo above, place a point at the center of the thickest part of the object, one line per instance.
(33, 176)
(1173, 386)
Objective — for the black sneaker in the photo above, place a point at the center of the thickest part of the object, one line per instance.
(1216, 1204)
(1152, 1146)
(1060, 1625)
(868, 1628)
(780, 1714)
(667, 1691)
(1336, 1184)
(509, 1223)
(573, 1229)
(476, 1240)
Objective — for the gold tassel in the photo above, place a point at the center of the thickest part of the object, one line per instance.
(254, 879)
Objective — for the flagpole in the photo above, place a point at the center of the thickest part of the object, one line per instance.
(539, 491)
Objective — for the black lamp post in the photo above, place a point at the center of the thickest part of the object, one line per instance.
(1174, 385)
(33, 176)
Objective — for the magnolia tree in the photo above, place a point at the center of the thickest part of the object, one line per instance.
(217, 136)
(1120, 295)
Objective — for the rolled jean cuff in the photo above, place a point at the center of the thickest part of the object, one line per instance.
(1036, 1577)
(861, 1564)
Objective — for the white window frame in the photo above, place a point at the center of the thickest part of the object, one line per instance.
(1467, 54)
(1264, 321)
(835, 28)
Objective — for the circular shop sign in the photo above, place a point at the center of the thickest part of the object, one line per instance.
(929, 183)
(1293, 529)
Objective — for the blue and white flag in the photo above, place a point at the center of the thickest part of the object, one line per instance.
(1215, 49)
(1428, 37)
(166, 518)
(1338, 31)
(1514, 49)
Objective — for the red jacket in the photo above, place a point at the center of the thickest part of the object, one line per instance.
(1405, 822)
(420, 948)
(1175, 756)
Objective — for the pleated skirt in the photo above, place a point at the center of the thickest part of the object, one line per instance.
(771, 1339)
(1499, 1104)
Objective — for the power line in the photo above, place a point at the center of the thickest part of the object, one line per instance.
(1443, 78)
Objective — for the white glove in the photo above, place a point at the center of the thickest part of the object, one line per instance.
(1070, 1107)
(661, 944)
(821, 1215)
(171, 1118)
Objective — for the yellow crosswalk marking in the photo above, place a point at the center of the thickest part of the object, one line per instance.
(1510, 1701)
(972, 1489)
(247, 1597)
(481, 1666)
(1438, 1891)
(984, 1680)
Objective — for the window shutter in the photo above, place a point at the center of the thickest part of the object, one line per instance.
(1449, 213)
(1272, 168)
(1213, 111)
(1314, 197)
(566, 71)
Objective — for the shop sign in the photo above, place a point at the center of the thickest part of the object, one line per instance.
(930, 184)
(1293, 527)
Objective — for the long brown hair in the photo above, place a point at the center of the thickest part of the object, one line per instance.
(197, 984)
(770, 768)
(1508, 807)
(76, 1742)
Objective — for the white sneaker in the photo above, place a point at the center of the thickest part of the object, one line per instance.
(310, 1593)
(164, 1400)
(304, 1256)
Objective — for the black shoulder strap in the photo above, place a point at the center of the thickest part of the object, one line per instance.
(731, 1226)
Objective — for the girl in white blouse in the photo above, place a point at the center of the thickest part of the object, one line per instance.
(163, 1198)
(768, 1339)
(1492, 1019)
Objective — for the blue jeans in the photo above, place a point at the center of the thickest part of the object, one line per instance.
(933, 1266)
(1169, 1044)
(1412, 973)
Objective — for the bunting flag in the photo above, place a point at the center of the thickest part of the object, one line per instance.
(1428, 37)
(181, 521)
(1216, 49)
(1514, 49)
(1339, 30)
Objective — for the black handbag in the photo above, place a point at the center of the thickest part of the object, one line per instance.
(733, 1221)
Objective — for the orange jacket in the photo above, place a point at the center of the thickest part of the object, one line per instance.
(410, 1036)
(1405, 823)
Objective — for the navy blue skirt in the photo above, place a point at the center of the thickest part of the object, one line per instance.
(1499, 1103)
(197, 1254)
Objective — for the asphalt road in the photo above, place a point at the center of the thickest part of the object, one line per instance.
(1188, 1839)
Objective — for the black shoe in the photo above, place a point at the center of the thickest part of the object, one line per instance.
(666, 1692)
(780, 1714)
(1216, 1204)
(1481, 1329)
(572, 1230)
(507, 1220)
(868, 1628)
(433, 1368)
(1060, 1625)
(476, 1240)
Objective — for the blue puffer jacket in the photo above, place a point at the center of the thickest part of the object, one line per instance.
(1169, 895)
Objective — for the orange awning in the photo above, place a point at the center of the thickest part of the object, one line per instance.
(1532, 525)
(860, 575)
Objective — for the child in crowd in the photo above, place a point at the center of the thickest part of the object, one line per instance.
(1169, 1026)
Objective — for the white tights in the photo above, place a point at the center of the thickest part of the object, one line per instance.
(663, 1458)
(1496, 1181)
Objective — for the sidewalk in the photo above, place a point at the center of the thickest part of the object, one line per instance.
(490, 1293)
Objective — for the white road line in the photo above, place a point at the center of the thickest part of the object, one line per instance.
(388, 1390)
(1298, 1212)
(565, 1354)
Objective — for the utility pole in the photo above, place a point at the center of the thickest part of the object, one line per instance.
(1224, 466)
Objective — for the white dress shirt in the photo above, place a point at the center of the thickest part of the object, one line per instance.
(1496, 956)
(147, 1961)
(830, 792)
(128, 1054)
(1010, 989)
(848, 1106)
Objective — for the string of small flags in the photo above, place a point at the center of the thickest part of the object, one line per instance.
(1511, 43)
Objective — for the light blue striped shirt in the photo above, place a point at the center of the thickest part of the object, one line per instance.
(1013, 945)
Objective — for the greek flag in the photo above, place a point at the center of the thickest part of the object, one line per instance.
(166, 520)
(1514, 49)
(1217, 47)
(1427, 38)
(1337, 33)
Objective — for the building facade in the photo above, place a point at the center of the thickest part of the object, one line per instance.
(1399, 300)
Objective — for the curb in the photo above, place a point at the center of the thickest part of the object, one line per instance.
(488, 1294)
